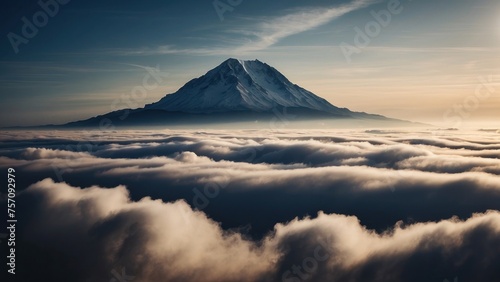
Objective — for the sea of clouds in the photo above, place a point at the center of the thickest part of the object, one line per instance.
(337, 205)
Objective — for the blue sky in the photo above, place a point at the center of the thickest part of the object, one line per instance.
(425, 64)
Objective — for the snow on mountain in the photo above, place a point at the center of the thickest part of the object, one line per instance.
(237, 85)
(234, 91)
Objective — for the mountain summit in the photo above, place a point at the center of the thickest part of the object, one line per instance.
(237, 85)
(234, 91)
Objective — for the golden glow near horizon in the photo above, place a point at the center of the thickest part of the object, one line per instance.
(406, 59)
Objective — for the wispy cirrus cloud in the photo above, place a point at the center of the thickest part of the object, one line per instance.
(261, 34)
(272, 31)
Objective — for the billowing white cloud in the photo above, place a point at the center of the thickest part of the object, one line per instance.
(89, 232)
(237, 205)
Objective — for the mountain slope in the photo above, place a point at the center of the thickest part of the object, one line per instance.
(234, 91)
(237, 85)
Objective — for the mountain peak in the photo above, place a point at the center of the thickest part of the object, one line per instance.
(239, 61)
(239, 85)
(237, 90)
(239, 65)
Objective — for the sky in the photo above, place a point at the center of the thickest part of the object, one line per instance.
(427, 61)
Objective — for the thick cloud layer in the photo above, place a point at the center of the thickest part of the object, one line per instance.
(228, 204)
(89, 233)
(263, 178)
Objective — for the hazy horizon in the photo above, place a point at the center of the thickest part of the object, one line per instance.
(398, 65)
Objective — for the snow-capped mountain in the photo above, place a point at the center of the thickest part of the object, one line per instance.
(235, 91)
(237, 85)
